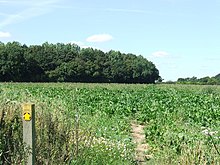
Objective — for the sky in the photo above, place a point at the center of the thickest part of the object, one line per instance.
(181, 37)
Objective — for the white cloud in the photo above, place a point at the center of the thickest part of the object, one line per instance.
(4, 34)
(31, 9)
(160, 54)
(213, 59)
(99, 38)
(80, 44)
(126, 10)
(28, 2)
(83, 45)
(3, 1)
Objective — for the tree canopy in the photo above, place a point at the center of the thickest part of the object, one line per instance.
(69, 63)
(200, 81)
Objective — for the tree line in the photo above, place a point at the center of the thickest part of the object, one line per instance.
(200, 81)
(69, 63)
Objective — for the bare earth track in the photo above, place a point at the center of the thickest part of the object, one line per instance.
(139, 139)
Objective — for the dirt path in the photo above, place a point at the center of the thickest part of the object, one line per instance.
(139, 139)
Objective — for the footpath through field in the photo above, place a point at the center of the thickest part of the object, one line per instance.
(139, 139)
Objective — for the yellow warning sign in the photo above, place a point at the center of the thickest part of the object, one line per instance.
(27, 116)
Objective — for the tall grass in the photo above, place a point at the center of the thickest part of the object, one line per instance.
(62, 135)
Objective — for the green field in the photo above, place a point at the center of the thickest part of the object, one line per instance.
(90, 123)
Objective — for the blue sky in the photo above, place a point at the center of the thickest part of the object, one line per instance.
(181, 37)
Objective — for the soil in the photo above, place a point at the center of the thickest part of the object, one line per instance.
(141, 145)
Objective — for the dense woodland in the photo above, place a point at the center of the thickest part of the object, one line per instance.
(69, 63)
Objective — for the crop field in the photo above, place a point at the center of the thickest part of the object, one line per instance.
(91, 123)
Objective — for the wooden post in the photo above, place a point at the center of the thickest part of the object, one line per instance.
(28, 115)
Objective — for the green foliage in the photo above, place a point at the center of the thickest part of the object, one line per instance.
(68, 63)
(11, 143)
(175, 132)
(90, 123)
(64, 135)
(201, 81)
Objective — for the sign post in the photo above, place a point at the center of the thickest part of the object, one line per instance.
(28, 115)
